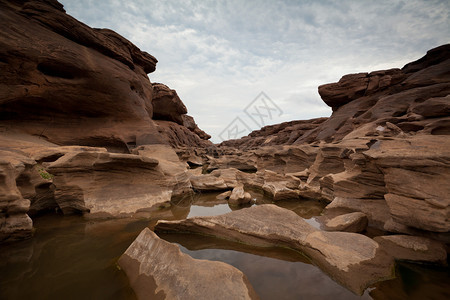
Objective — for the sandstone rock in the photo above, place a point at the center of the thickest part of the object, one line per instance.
(353, 260)
(110, 184)
(146, 264)
(190, 124)
(239, 196)
(208, 183)
(15, 170)
(61, 80)
(285, 159)
(413, 248)
(352, 222)
(229, 176)
(349, 87)
(166, 104)
(242, 162)
(280, 134)
(224, 195)
(416, 181)
(377, 211)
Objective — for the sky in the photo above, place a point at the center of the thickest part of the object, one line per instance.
(242, 64)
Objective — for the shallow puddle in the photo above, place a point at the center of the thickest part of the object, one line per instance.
(71, 257)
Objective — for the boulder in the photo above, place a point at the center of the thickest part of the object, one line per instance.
(224, 195)
(208, 183)
(113, 184)
(146, 263)
(239, 196)
(416, 181)
(353, 260)
(413, 248)
(166, 104)
(16, 188)
(352, 222)
(229, 176)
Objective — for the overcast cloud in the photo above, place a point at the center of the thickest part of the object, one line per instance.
(219, 55)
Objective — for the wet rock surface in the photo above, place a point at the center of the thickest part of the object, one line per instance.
(352, 259)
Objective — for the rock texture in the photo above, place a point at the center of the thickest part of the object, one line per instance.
(82, 128)
(413, 248)
(352, 259)
(74, 85)
(383, 152)
(157, 269)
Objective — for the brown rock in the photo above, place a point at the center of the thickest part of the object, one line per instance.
(112, 184)
(353, 260)
(146, 264)
(352, 222)
(239, 196)
(208, 183)
(190, 124)
(224, 195)
(349, 87)
(16, 174)
(413, 248)
(167, 105)
(74, 85)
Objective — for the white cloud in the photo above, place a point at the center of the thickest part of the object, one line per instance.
(219, 55)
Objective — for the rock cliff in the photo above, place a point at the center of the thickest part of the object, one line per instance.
(76, 101)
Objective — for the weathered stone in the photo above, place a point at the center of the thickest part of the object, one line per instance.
(352, 222)
(352, 259)
(158, 269)
(112, 184)
(208, 183)
(239, 196)
(413, 248)
(224, 195)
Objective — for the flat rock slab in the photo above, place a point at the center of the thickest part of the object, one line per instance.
(352, 222)
(413, 248)
(159, 270)
(351, 259)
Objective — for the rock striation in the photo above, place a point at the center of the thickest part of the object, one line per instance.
(159, 270)
(82, 128)
(74, 85)
(383, 152)
(352, 259)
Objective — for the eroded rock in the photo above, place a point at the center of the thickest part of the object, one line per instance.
(158, 269)
(352, 259)
(413, 248)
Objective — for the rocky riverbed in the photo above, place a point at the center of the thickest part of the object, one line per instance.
(90, 144)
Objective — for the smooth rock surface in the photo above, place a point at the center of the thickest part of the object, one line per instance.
(353, 260)
(413, 248)
(158, 269)
(352, 222)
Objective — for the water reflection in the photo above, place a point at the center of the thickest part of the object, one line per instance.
(71, 257)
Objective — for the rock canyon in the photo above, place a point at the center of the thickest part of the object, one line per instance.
(83, 131)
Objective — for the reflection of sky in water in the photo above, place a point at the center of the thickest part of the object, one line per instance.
(204, 211)
(278, 279)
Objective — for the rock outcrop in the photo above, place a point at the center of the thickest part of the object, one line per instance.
(74, 85)
(383, 151)
(159, 270)
(352, 259)
(82, 128)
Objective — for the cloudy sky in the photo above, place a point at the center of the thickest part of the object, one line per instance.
(220, 55)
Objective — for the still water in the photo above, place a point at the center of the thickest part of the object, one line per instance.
(71, 257)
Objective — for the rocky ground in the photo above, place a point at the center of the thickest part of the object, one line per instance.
(83, 130)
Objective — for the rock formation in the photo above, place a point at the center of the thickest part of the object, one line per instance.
(83, 130)
(158, 270)
(64, 85)
(353, 260)
(383, 152)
